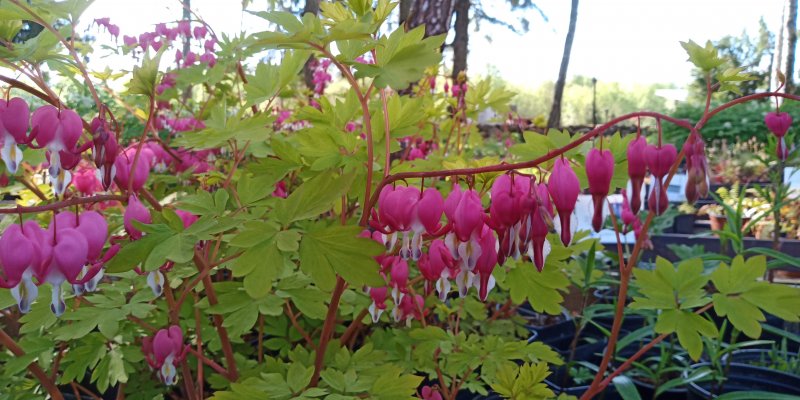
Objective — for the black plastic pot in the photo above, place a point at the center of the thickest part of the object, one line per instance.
(759, 358)
(684, 224)
(630, 323)
(745, 378)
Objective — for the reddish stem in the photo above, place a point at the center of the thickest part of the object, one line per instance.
(370, 202)
(62, 204)
(33, 367)
(327, 330)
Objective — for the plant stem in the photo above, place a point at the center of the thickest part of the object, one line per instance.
(62, 204)
(327, 330)
(520, 165)
(33, 367)
(211, 294)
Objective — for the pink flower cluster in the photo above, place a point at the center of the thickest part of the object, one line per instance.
(416, 147)
(321, 77)
(106, 23)
(71, 250)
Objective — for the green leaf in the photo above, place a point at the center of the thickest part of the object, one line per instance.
(178, 248)
(313, 197)
(135, 253)
(299, 376)
(145, 77)
(392, 384)
(402, 58)
(705, 58)
(742, 295)
(288, 241)
(339, 249)
(541, 289)
(269, 80)
(260, 266)
(689, 327)
(626, 388)
(667, 287)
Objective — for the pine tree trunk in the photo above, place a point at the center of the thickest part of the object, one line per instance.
(461, 40)
(791, 42)
(434, 14)
(405, 10)
(312, 6)
(555, 112)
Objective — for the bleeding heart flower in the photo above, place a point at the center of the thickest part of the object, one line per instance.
(429, 394)
(486, 263)
(778, 123)
(123, 165)
(435, 266)
(164, 352)
(59, 131)
(539, 225)
(466, 216)
(14, 123)
(135, 211)
(410, 307)
(659, 161)
(378, 306)
(200, 31)
(599, 171)
(19, 260)
(697, 167)
(637, 169)
(187, 218)
(564, 188)
(398, 277)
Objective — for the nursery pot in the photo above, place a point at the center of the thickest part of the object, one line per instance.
(744, 378)
(759, 358)
(684, 224)
(717, 221)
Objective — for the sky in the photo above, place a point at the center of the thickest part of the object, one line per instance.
(626, 41)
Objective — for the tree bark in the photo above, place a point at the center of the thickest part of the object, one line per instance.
(791, 42)
(405, 10)
(461, 40)
(434, 14)
(312, 6)
(555, 112)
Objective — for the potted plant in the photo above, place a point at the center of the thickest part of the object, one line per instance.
(684, 222)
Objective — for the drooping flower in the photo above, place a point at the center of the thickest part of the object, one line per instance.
(200, 31)
(404, 209)
(778, 123)
(398, 277)
(659, 161)
(135, 211)
(564, 189)
(599, 171)
(486, 263)
(135, 181)
(428, 393)
(697, 167)
(129, 41)
(466, 217)
(164, 352)
(637, 169)
(507, 213)
(14, 123)
(378, 306)
(538, 226)
(410, 307)
(21, 259)
(435, 266)
(105, 150)
(59, 131)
